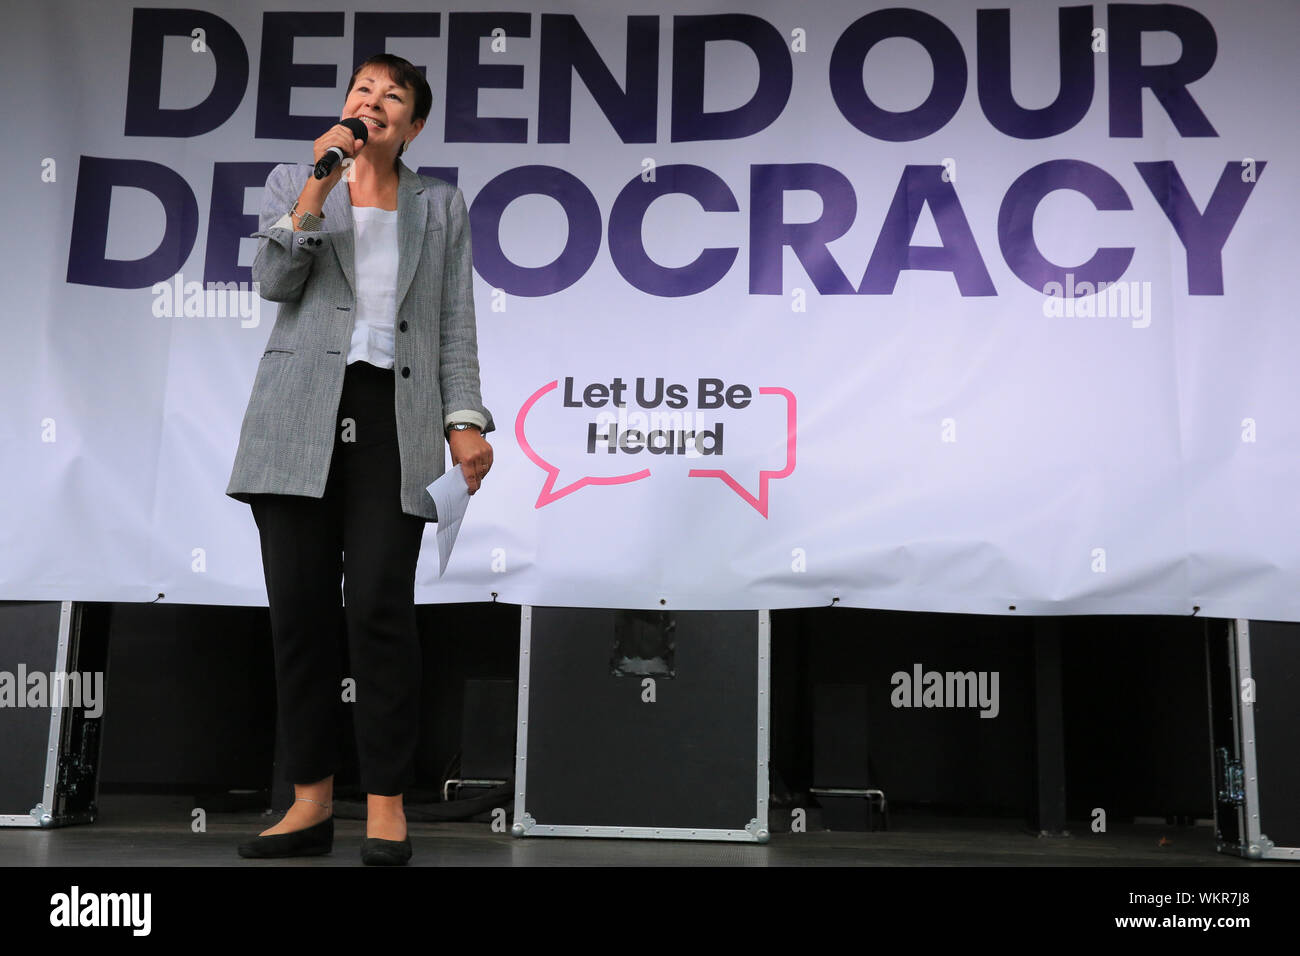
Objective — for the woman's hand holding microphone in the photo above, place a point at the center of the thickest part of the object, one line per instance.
(349, 144)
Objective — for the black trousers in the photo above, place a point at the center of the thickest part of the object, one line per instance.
(357, 533)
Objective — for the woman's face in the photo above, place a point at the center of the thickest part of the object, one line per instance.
(384, 107)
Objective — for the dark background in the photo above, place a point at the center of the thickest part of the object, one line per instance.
(190, 703)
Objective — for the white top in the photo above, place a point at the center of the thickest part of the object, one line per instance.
(375, 232)
(373, 341)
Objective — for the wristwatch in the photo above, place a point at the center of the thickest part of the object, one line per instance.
(459, 426)
(307, 222)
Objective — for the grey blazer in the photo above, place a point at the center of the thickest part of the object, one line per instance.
(287, 436)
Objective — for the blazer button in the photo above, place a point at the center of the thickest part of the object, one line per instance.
(406, 371)
(302, 240)
(402, 325)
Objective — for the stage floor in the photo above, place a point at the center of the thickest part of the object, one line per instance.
(155, 831)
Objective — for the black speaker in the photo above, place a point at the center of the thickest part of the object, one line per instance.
(643, 724)
(53, 690)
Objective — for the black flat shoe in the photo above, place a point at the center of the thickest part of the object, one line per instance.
(377, 852)
(312, 841)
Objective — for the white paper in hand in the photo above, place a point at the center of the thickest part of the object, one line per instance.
(451, 497)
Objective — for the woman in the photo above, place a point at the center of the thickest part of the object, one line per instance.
(373, 355)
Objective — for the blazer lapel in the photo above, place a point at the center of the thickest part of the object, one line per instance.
(338, 211)
(412, 216)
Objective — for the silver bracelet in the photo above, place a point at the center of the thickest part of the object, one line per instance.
(307, 221)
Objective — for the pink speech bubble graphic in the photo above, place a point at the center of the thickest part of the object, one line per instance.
(764, 477)
(548, 493)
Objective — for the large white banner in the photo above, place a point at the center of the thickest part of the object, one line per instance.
(930, 307)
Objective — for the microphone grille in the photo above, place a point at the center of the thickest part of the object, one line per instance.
(358, 128)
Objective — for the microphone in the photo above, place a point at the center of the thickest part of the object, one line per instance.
(333, 156)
